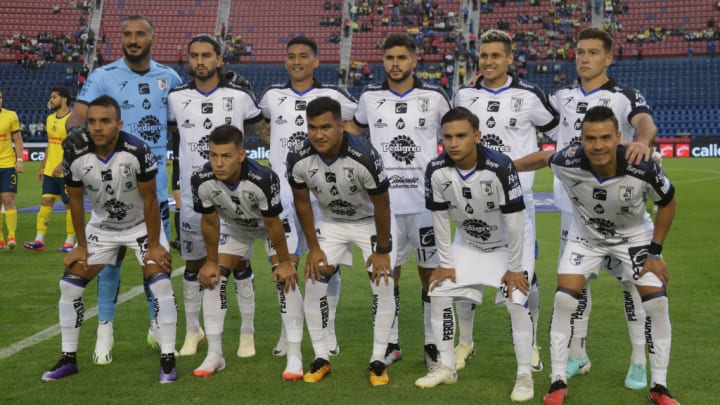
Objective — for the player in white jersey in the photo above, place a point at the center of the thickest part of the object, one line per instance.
(593, 57)
(346, 176)
(283, 106)
(610, 225)
(511, 112)
(194, 109)
(140, 85)
(117, 172)
(481, 189)
(403, 116)
(239, 200)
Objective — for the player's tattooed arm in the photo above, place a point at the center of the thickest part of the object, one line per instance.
(533, 161)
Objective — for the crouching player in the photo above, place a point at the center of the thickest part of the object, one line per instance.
(481, 189)
(239, 200)
(610, 220)
(345, 173)
(117, 171)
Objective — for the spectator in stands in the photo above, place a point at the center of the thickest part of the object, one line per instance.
(711, 48)
(56, 9)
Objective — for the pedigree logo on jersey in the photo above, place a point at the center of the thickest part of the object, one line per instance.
(402, 148)
(340, 207)
(478, 229)
(493, 142)
(202, 147)
(294, 142)
(149, 128)
(401, 108)
(117, 210)
(603, 226)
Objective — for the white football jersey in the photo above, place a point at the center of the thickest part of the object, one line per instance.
(510, 117)
(476, 199)
(111, 184)
(342, 186)
(405, 130)
(611, 211)
(284, 109)
(573, 102)
(196, 114)
(242, 205)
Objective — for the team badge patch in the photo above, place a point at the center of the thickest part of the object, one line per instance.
(349, 173)
(487, 188)
(576, 259)
(424, 104)
(516, 104)
(162, 83)
(626, 193)
(228, 103)
(125, 170)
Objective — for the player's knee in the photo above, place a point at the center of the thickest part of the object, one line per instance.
(566, 299)
(244, 273)
(156, 276)
(190, 275)
(73, 279)
(47, 201)
(655, 302)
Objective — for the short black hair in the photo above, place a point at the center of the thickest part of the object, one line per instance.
(597, 33)
(303, 41)
(134, 17)
(62, 92)
(461, 114)
(321, 105)
(400, 39)
(225, 134)
(106, 101)
(601, 113)
(208, 40)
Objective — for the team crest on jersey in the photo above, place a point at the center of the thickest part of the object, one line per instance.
(486, 187)
(423, 104)
(162, 83)
(125, 170)
(626, 193)
(349, 173)
(516, 104)
(228, 103)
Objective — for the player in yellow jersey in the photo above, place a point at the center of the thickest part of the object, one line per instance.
(51, 172)
(11, 163)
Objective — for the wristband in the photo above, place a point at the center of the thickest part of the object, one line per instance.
(20, 160)
(652, 256)
(655, 248)
(380, 249)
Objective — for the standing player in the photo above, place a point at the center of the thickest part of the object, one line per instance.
(611, 225)
(11, 163)
(403, 115)
(346, 176)
(511, 111)
(283, 106)
(51, 172)
(141, 86)
(194, 109)
(481, 189)
(118, 172)
(593, 56)
(239, 200)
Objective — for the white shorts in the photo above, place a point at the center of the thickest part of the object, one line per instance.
(336, 239)
(474, 270)
(238, 241)
(416, 231)
(622, 261)
(192, 242)
(103, 246)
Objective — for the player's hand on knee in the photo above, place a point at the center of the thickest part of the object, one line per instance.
(78, 255)
(439, 275)
(209, 275)
(315, 265)
(515, 280)
(380, 263)
(657, 266)
(285, 275)
(160, 257)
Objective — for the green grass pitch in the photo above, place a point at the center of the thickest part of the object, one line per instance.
(29, 295)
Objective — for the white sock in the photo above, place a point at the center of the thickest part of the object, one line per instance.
(659, 338)
(71, 313)
(534, 306)
(40, 237)
(316, 316)
(333, 297)
(443, 322)
(70, 240)
(394, 335)
(165, 313)
(427, 323)
(215, 306)
(465, 319)
(214, 343)
(383, 316)
(635, 317)
(581, 318)
(292, 315)
(245, 293)
(560, 330)
(522, 328)
(192, 299)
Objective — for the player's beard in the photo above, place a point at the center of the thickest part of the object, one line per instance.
(145, 54)
(402, 78)
(210, 73)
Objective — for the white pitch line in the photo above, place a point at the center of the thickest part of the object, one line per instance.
(55, 329)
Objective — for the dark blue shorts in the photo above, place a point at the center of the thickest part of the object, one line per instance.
(8, 180)
(55, 186)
